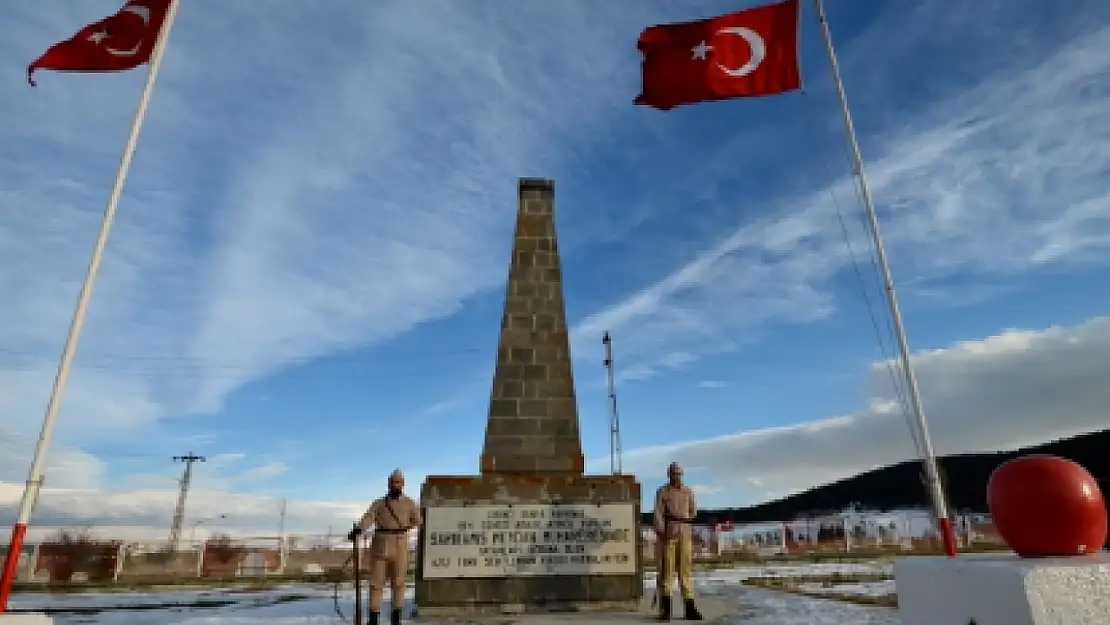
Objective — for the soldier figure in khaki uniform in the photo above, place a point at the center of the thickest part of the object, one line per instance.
(391, 517)
(674, 512)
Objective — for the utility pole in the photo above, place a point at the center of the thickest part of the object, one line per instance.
(281, 519)
(614, 416)
(179, 511)
(283, 545)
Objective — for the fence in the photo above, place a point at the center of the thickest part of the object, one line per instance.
(834, 534)
(80, 559)
(76, 558)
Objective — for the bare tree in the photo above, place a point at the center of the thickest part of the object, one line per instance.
(221, 548)
(72, 551)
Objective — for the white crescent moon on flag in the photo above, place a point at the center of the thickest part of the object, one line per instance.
(144, 14)
(755, 42)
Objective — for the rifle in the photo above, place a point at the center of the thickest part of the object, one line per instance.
(358, 565)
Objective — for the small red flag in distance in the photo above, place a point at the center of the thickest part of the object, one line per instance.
(746, 54)
(116, 43)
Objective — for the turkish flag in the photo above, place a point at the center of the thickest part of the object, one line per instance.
(745, 54)
(116, 43)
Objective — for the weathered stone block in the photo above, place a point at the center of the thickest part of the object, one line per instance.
(558, 428)
(513, 427)
(534, 372)
(463, 597)
(537, 446)
(563, 408)
(534, 407)
(509, 389)
(504, 408)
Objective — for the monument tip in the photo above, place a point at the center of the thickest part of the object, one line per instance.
(546, 184)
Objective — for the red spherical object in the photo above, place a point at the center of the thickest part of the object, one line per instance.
(1045, 506)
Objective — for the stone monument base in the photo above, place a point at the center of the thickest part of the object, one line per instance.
(451, 593)
(1004, 590)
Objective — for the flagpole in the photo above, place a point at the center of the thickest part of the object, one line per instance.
(38, 463)
(932, 474)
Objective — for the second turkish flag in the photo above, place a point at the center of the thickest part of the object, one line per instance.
(745, 54)
(122, 41)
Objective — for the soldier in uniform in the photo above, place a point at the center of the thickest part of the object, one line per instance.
(674, 512)
(391, 517)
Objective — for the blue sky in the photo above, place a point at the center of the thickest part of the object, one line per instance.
(306, 276)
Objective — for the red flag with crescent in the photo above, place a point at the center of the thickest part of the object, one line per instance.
(119, 42)
(749, 53)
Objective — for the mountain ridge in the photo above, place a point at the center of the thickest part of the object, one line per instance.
(901, 486)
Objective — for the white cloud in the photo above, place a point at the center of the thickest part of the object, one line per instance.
(140, 506)
(704, 489)
(146, 514)
(712, 384)
(1012, 390)
(66, 468)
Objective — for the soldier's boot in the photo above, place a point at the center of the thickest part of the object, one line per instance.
(395, 617)
(692, 613)
(372, 618)
(664, 608)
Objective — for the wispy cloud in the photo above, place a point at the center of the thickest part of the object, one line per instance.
(704, 489)
(292, 195)
(1006, 176)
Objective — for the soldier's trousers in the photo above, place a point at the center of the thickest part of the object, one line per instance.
(676, 556)
(392, 565)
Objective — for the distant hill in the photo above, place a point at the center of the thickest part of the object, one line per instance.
(901, 485)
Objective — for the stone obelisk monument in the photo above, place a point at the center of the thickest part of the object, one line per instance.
(531, 533)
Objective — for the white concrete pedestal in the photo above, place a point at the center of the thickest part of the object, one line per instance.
(1004, 590)
(25, 619)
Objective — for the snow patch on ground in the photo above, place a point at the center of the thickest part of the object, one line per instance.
(859, 589)
(313, 605)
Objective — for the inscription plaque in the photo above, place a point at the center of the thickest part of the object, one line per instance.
(529, 540)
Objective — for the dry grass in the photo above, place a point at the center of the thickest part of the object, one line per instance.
(792, 584)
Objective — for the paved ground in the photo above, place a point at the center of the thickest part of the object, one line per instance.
(715, 609)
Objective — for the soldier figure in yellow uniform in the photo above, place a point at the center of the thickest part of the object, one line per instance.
(391, 517)
(674, 512)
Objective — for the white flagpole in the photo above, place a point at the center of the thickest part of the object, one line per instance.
(932, 475)
(38, 463)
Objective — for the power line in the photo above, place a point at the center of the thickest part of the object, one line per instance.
(15, 438)
(405, 366)
(201, 361)
(886, 353)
